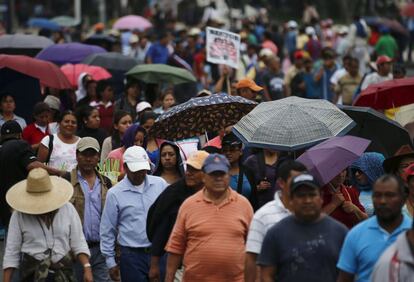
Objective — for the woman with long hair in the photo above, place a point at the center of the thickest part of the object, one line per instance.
(170, 165)
(90, 124)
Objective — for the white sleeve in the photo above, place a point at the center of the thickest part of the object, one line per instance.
(14, 243)
(45, 141)
(255, 236)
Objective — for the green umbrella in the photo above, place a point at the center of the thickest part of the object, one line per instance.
(65, 21)
(156, 73)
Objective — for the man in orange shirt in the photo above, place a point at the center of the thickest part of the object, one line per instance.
(210, 233)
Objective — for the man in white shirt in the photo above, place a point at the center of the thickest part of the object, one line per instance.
(383, 74)
(267, 216)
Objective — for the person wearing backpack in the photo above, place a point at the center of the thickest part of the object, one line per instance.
(358, 35)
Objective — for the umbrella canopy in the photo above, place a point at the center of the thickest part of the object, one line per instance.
(132, 22)
(68, 53)
(65, 21)
(405, 115)
(387, 136)
(23, 44)
(408, 10)
(156, 73)
(43, 23)
(292, 123)
(111, 61)
(102, 40)
(329, 158)
(200, 115)
(72, 72)
(387, 94)
(392, 24)
(47, 73)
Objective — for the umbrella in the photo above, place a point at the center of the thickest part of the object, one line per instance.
(43, 23)
(132, 22)
(71, 53)
(72, 72)
(102, 40)
(387, 136)
(65, 21)
(405, 115)
(200, 115)
(329, 158)
(23, 44)
(387, 94)
(292, 123)
(156, 73)
(111, 61)
(393, 25)
(408, 10)
(47, 73)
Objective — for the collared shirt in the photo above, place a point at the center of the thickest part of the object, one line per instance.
(33, 133)
(26, 236)
(364, 244)
(264, 218)
(212, 237)
(125, 215)
(92, 211)
(19, 120)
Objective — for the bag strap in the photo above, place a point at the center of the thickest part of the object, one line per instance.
(240, 181)
(51, 137)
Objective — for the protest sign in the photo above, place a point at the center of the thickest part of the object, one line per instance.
(223, 47)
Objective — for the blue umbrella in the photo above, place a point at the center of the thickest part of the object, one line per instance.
(43, 23)
(68, 53)
(329, 158)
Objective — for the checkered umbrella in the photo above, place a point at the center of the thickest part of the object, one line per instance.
(292, 123)
(200, 115)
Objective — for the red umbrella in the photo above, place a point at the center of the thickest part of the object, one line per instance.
(408, 10)
(388, 94)
(72, 72)
(47, 73)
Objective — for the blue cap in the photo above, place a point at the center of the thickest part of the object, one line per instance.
(216, 162)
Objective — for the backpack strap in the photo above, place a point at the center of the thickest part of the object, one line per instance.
(51, 137)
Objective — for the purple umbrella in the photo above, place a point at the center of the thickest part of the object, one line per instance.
(329, 158)
(68, 53)
(132, 22)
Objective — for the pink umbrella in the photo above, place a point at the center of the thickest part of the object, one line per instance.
(72, 72)
(132, 22)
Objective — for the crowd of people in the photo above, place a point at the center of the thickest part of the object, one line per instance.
(89, 193)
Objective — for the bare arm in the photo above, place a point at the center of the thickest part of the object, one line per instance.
(251, 270)
(42, 153)
(173, 262)
(7, 274)
(345, 277)
(268, 273)
(84, 259)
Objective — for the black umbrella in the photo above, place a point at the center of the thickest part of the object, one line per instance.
(387, 135)
(200, 115)
(102, 40)
(111, 61)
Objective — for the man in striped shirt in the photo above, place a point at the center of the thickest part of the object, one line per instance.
(268, 215)
(211, 229)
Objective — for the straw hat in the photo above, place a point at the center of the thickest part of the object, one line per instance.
(39, 193)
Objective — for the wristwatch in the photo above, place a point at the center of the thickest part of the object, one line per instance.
(86, 265)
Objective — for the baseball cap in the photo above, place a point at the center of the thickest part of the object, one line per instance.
(136, 159)
(310, 30)
(11, 127)
(88, 143)
(383, 59)
(196, 159)
(303, 180)
(248, 83)
(216, 162)
(230, 139)
(204, 93)
(53, 102)
(292, 24)
(133, 39)
(143, 106)
(265, 52)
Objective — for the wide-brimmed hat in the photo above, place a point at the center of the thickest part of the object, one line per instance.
(391, 164)
(39, 193)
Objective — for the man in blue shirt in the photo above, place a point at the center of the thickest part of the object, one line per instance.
(89, 194)
(125, 215)
(365, 243)
(158, 53)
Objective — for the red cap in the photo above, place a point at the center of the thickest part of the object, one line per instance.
(383, 59)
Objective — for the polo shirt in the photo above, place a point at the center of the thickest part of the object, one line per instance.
(33, 134)
(158, 53)
(212, 237)
(364, 244)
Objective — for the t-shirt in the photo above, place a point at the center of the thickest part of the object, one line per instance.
(303, 251)
(15, 156)
(158, 53)
(274, 83)
(387, 46)
(63, 155)
(346, 87)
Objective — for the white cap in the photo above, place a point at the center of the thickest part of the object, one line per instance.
(142, 106)
(133, 39)
(310, 31)
(265, 52)
(194, 31)
(292, 24)
(136, 159)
